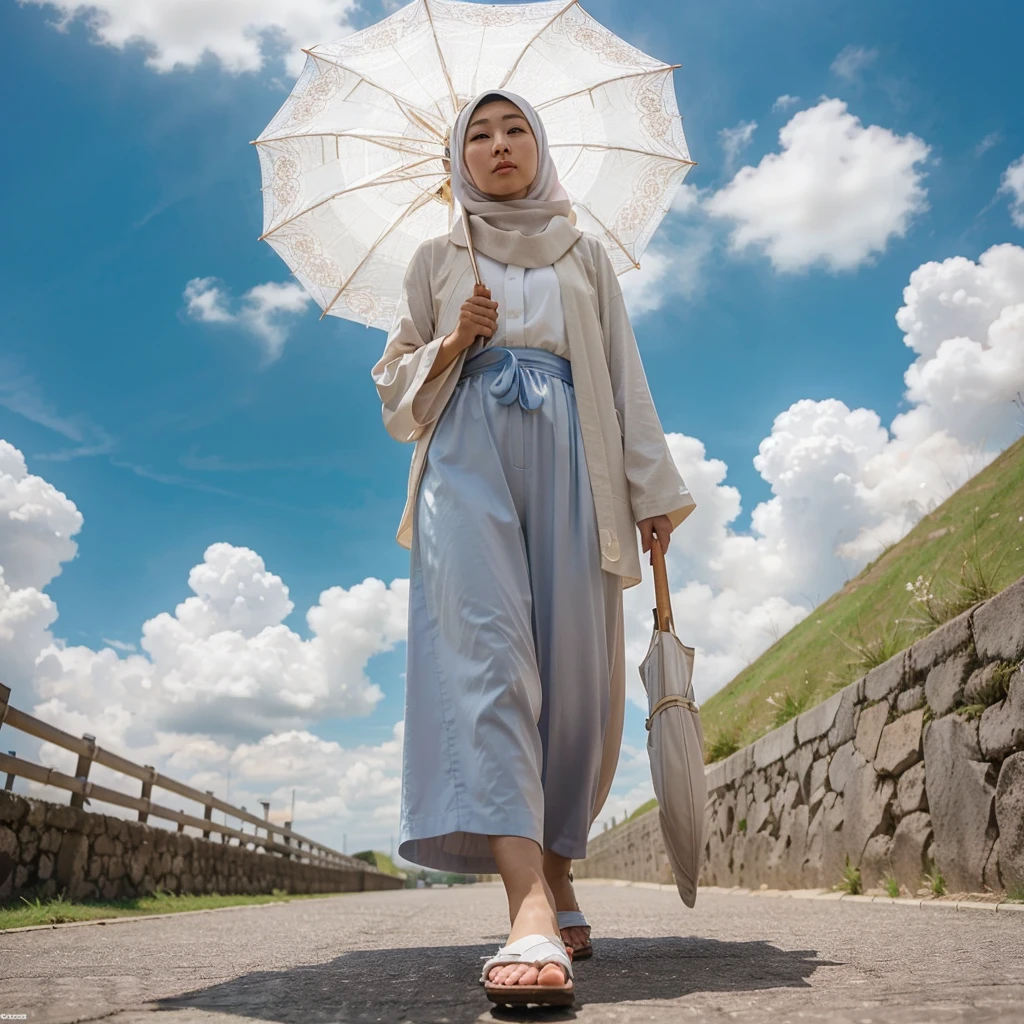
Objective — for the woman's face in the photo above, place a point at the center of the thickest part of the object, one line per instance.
(500, 151)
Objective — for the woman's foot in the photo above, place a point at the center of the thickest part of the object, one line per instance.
(534, 918)
(557, 875)
(531, 903)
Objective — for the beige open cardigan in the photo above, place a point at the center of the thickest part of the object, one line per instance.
(632, 474)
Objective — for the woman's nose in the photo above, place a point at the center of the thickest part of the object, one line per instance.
(500, 144)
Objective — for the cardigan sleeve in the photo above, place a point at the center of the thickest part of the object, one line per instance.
(655, 484)
(409, 401)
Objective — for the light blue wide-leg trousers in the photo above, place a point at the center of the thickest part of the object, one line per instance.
(512, 622)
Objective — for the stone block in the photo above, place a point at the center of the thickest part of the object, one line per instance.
(72, 858)
(138, 862)
(36, 816)
(12, 808)
(939, 644)
(816, 722)
(875, 863)
(867, 799)
(737, 765)
(909, 845)
(1002, 725)
(910, 700)
(45, 867)
(714, 776)
(1010, 818)
(999, 625)
(981, 685)
(798, 768)
(993, 879)
(845, 763)
(775, 746)
(885, 679)
(844, 727)
(104, 845)
(29, 844)
(49, 842)
(869, 729)
(819, 773)
(833, 853)
(900, 745)
(95, 868)
(944, 685)
(65, 818)
(960, 800)
(21, 875)
(911, 794)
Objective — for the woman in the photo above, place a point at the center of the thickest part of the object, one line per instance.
(538, 455)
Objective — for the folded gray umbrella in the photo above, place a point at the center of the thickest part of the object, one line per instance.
(675, 741)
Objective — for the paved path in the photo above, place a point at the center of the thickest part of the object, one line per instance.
(414, 956)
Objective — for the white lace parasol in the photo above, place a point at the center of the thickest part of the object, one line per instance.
(353, 178)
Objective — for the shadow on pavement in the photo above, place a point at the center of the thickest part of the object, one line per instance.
(439, 983)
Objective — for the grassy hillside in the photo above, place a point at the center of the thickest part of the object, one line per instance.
(381, 861)
(970, 546)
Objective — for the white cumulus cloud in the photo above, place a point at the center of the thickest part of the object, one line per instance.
(851, 61)
(735, 140)
(240, 34)
(267, 312)
(835, 194)
(1013, 185)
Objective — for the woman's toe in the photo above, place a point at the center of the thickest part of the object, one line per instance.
(551, 974)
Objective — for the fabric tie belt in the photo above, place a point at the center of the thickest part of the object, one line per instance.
(511, 384)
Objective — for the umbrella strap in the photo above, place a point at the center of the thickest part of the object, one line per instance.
(672, 700)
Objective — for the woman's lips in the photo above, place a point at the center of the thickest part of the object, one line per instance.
(505, 168)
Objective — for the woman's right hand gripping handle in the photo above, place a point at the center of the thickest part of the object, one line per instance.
(478, 317)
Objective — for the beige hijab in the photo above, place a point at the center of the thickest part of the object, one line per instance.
(530, 232)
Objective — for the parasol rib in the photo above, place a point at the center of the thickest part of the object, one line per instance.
(607, 81)
(385, 141)
(515, 64)
(380, 180)
(611, 234)
(410, 209)
(621, 149)
(441, 60)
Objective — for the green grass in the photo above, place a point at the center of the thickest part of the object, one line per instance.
(891, 886)
(851, 881)
(381, 861)
(24, 913)
(971, 544)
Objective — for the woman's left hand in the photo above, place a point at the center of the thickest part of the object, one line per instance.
(659, 526)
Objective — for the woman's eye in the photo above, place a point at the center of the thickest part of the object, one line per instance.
(479, 135)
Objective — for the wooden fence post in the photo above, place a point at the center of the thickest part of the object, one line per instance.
(82, 771)
(208, 814)
(181, 824)
(147, 788)
(288, 839)
(9, 784)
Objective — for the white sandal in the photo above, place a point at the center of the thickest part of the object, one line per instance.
(537, 950)
(575, 919)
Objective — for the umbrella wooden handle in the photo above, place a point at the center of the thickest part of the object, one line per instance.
(663, 611)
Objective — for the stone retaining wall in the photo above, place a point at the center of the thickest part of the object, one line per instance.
(48, 848)
(920, 763)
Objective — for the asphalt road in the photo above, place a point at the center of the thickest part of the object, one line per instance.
(414, 956)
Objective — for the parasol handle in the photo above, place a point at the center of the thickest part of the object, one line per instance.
(663, 611)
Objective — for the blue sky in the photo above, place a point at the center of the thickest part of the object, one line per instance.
(123, 183)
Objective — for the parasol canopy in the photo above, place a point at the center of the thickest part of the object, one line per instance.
(352, 165)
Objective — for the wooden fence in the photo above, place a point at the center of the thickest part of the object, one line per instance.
(278, 839)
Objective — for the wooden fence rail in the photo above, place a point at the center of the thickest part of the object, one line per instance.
(289, 844)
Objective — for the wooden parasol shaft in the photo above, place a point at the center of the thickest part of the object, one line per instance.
(663, 611)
